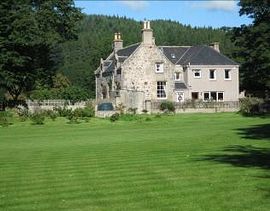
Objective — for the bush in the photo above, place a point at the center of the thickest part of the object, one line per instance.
(52, 115)
(5, 118)
(63, 112)
(251, 106)
(37, 118)
(132, 110)
(114, 117)
(167, 106)
(144, 111)
(23, 113)
(73, 117)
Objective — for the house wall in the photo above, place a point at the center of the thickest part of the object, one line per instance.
(229, 87)
(138, 73)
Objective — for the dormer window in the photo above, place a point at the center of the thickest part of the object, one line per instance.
(159, 67)
(173, 56)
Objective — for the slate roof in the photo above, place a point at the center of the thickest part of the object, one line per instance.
(123, 54)
(180, 85)
(196, 55)
(181, 55)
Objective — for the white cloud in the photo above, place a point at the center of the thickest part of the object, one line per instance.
(227, 6)
(135, 5)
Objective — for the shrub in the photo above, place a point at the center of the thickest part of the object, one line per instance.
(73, 117)
(5, 118)
(23, 113)
(114, 117)
(52, 115)
(251, 106)
(167, 106)
(121, 108)
(63, 112)
(148, 119)
(132, 110)
(144, 111)
(37, 118)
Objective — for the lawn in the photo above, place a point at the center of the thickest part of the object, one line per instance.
(183, 162)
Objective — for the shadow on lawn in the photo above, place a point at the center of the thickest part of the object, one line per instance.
(243, 156)
(255, 132)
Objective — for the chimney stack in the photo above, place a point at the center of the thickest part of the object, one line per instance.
(117, 42)
(215, 45)
(147, 34)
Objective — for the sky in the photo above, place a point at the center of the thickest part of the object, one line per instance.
(195, 13)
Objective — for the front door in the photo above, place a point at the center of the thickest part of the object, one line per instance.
(179, 97)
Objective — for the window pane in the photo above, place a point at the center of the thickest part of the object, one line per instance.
(213, 96)
(206, 96)
(227, 74)
(212, 74)
(220, 96)
(161, 92)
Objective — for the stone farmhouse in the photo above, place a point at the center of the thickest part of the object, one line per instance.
(143, 73)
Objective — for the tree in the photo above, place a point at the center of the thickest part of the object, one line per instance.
(253, 47)
(30, 31)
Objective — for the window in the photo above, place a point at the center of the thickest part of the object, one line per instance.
(215, 96)
(177, 76)
(227, 75)
(212, 74)
(220, 96)
(161, 89)
(206, 96)
(159, 67)
(196, 73)
(195, 95)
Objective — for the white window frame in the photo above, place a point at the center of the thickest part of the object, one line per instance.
(215, 74)
(222, 96)
(197, 71)
(229, 72)
(209, 94)
(161, 86)
(179, 79)
(159, 67)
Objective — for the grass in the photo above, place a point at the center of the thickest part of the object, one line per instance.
(184, 162)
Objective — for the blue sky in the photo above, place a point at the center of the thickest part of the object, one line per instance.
(196, 13)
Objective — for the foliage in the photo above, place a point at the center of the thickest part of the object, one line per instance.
(23, 113)
(51, 114)
(114, 117)
(37, 118)
(30, 49)
(251, 106)
(130, 117)
(120, 108)
(253, 47)
(5, 118)
(144, 111)
(167, 106)
(132, 110)
(63, 111)
(73, 117)
(74, 94)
